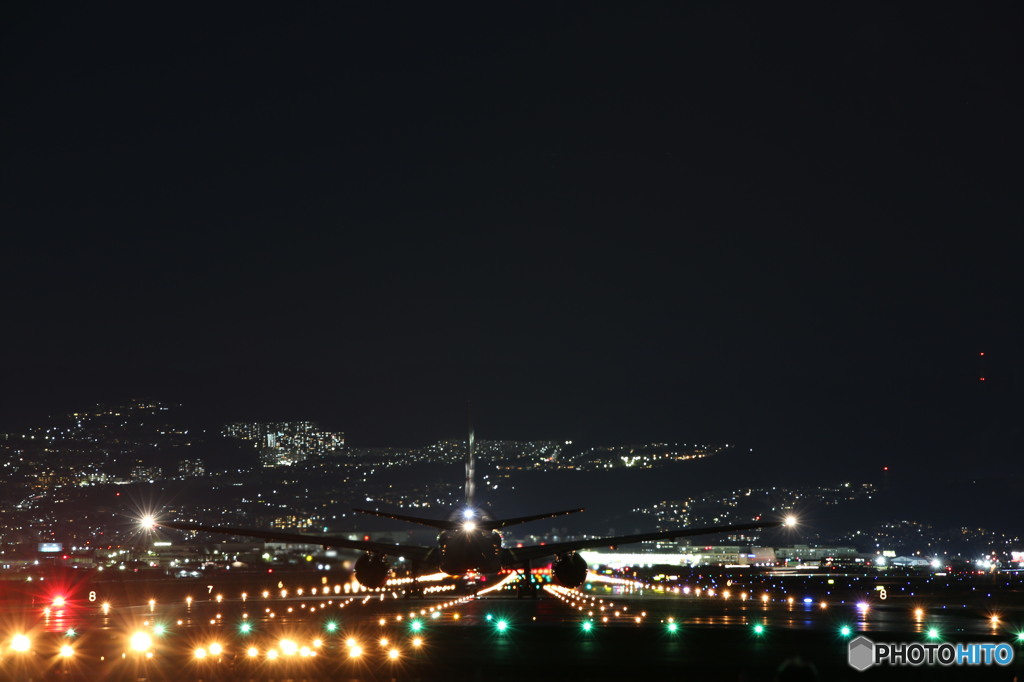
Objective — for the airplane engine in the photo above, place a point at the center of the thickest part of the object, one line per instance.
(372, 570)
(570, 570)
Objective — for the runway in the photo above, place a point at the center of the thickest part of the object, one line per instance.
(295, 627)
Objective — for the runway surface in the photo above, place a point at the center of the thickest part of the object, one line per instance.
(303, 626)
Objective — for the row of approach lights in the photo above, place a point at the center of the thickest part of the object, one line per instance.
(597, 607)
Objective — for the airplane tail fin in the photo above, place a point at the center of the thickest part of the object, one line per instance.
(470, 465)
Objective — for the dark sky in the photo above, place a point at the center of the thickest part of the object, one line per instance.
(793, 228)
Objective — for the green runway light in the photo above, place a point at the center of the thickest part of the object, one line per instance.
(759, 629)
(588, 626)
(1020, 636)
(71, 633)
(673, 627)
(501, 625)
(245, 628)
(159, 629)
(845, 631)
(416, 626)
(488, 617)
(331, 626)
(933, 633)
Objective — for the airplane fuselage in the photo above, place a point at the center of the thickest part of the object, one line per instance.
(463, 550)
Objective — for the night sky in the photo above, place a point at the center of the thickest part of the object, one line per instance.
(795, 229)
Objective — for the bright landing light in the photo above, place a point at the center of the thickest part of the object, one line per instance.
(790, 521)
(148, 522)
(140, 641)
(469, 525)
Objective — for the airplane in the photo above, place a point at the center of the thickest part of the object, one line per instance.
(469, 540)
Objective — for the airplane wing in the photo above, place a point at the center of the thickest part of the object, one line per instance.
(433, 523)
(411, 551)
(539, 551)
(501, 523)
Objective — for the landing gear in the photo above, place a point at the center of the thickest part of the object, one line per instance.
(414, 591)
(525, 587)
